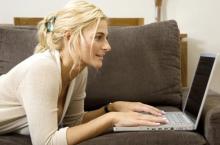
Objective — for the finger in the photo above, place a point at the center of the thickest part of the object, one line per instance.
(150, 110)
(135, 123)
(147, 123)
(161, 120)
(154, 110)
(140, 107)
(155, 119)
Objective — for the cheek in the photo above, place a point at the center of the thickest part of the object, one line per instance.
(92, 51)
(95, 48)
(87, 54)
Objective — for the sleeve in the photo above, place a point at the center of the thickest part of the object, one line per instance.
(39, 94)
(75, 111)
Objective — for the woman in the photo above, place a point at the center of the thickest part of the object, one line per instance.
(44, 95)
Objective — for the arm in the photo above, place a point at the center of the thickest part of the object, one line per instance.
(211, 119)
(101, 124)
(89, 129)
(122, 106)
(38, 92)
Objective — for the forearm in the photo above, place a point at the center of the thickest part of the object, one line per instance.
(90, 129)
(108, 120)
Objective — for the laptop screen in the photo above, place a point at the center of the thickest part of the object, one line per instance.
(199, 85)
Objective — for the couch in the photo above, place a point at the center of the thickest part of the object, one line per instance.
(144, 66)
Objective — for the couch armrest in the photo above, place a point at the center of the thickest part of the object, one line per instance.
(211, 119)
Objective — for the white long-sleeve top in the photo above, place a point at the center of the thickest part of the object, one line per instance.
(28, 99)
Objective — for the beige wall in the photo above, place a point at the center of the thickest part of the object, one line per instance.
(39, 8)
(198, 18)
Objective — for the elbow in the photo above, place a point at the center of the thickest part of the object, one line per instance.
(54, 138)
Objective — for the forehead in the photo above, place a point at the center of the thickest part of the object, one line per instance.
(102, 27)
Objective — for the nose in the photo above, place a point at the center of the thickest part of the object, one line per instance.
(107, 46)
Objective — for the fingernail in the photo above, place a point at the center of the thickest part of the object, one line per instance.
(163, 112)
(166, 120)
(159, 114)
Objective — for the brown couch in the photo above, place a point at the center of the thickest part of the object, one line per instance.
(144, 65)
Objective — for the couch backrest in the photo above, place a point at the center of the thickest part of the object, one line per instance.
(16, 43)
(144, 65)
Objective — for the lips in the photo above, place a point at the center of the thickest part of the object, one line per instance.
(100, 56)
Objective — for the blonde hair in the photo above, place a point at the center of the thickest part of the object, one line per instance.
(74, 17)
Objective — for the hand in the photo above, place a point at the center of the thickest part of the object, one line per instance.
(122, 106)
(131, 119)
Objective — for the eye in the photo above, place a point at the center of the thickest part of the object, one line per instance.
(98, 37)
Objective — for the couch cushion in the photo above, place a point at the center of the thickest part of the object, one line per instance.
(148, 138)
(144, 65)
(15, 139)
(16, 44)
(125, 138)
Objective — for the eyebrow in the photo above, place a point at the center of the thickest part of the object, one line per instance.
(101, 33)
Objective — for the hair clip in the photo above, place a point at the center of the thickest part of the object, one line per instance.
(50, 24)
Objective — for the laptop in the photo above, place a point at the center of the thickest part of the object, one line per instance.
(188, 119)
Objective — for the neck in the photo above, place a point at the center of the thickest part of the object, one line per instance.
(67, 73)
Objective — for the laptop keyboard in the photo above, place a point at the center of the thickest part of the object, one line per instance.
(176, 118)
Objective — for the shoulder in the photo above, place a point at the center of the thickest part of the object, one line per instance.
(43, 63)
(42, 68)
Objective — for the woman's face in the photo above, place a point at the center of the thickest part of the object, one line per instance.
(95, 45)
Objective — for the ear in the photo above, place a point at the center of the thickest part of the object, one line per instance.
(67, 35)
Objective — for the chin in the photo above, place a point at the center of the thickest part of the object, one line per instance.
(97, 65)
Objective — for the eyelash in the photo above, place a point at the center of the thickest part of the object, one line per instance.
(100, 37)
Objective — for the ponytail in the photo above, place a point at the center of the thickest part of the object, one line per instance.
(42, 37)
(45, 30)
